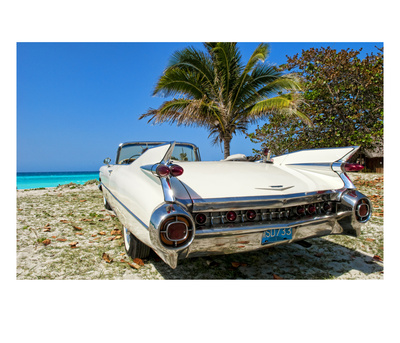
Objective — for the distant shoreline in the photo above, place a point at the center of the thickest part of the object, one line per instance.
(59, 172)
(35, 180)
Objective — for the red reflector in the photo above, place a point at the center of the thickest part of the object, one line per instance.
(353, 167)
(311, 209)
(176, 170)
(200, 218)
(265, 151)
(231, 216)
(176, 231)
(327, 207)
(363, 210)
(251, 214)
(300, 210)
(162, 170)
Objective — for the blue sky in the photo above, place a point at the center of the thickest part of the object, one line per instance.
(77, 101)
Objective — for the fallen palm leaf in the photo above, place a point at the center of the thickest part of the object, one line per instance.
(73, 244)
(102, 233)
(47, 229)
(138, 261)
(61, 239)
(46, 242)
(116, 232)
(377, 258)
(76, 227)
(107, 258)
(277, 277)
(133, 265)
(64, 221)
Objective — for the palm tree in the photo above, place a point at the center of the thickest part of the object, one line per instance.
(214, 89)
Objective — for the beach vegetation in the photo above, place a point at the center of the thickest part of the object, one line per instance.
(216, 90)
(343, 96)
(336, 257)
(91, 182)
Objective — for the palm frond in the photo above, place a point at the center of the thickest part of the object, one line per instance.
(216, 90)
(286, 105)
(185, 112)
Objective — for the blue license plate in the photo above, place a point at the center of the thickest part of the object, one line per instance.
(276, 235)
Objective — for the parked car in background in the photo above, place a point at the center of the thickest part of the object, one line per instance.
(170, 201)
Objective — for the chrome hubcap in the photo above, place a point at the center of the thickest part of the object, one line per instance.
(127, 238)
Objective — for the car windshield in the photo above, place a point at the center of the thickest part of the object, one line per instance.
(131, 152)
(183, 153)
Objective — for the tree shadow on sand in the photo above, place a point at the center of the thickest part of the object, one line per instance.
(323, 260)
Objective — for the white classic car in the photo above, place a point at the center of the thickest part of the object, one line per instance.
(169, 201)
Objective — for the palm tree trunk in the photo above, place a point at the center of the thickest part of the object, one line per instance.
(227, 146)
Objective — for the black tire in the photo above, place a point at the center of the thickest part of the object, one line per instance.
(133, 247)
(106, 204)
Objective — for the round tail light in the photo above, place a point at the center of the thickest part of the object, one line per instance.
(231, 216)
(176, 231)
(251, 214)
(300, 210)
(311, 209)
(176, 170)
(327, 207)
(363, 210)
(200, 218)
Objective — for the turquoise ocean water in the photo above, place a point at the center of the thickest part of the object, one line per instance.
(53, 179)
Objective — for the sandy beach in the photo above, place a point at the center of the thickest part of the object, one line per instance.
(65, 233)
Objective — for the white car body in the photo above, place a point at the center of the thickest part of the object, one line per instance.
(231, 205)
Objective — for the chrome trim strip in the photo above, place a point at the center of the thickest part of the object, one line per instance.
(317, 164)
(167, 190)
(258, 202)
(168, 154)
(150, 168)
(126, 208)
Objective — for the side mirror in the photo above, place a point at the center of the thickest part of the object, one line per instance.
(107, 161)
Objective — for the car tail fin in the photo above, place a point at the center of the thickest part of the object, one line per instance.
(317, 156)
(158, 154)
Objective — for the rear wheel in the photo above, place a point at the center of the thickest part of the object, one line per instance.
(106, 204)
(135, 248)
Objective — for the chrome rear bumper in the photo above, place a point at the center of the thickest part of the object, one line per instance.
(228, 239)
(249, 238)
